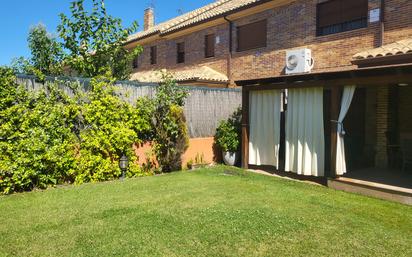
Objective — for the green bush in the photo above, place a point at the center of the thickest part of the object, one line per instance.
(36, 139)
(49, 138)
(168, 124)
(108, 129)
(228, 133)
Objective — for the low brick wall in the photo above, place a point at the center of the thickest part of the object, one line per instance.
(196, 146)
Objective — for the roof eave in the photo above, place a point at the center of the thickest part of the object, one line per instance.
(172, 30)
(399, 73)
(383, 60)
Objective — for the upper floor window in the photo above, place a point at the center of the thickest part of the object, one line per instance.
(136, 62)
(251, 36)
(180, 52)
(153, 55)
(210, 45)
(336, 16)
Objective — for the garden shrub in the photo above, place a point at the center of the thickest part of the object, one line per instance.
(229, 132)
(49, 138)
(171, 139)
(169, 131)
(36, 139)
(109, 128)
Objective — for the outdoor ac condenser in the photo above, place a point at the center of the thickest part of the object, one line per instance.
(299, 61)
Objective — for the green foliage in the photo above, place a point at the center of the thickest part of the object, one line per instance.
(94, 41)
(46, 54)
(169, 131)
(171, 138)
(228, 133)
(108, 128)
(49, 138)
(36, 143)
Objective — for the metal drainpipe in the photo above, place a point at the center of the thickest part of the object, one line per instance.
(229, 59)
(382, 23)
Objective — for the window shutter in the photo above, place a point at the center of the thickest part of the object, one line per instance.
(136, 63)
(252, 35)
(340, 11)
(329, 13)
(153, 55)
(354, 10)
(181, 52)
(210, 45)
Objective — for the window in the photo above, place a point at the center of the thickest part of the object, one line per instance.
(336, 16)
(210, 45)
(251, 36)
(153, 55)
(136, 63)
(181, 52)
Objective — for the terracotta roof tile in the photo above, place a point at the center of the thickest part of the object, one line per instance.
(224, 7)
(204, 73)
(206, 12)
(400, 47)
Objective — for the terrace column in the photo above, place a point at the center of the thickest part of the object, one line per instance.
(382, 126)
(335, 100)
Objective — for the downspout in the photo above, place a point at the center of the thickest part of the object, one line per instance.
(229, 57)
(382, 24)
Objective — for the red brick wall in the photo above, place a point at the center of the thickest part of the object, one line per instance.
(194, 49)
(289, 26)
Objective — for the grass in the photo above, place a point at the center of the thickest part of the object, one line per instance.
(209, 212)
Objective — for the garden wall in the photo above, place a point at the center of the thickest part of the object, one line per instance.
(204, 109)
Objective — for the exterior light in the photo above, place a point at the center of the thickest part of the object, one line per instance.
(123, 164)
(403, 84)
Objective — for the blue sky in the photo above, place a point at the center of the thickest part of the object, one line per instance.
(17, 16)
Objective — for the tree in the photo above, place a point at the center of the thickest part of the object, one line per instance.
(46, 54)
(168, 130)
(94, 41)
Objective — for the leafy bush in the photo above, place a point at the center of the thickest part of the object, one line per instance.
(228, 133)
(48, 138)
(36, 142)
(108, 129)
(169, 131)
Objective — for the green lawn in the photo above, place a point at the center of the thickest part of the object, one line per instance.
(209, 212)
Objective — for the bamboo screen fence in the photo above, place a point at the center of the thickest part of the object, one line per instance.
(204, 108)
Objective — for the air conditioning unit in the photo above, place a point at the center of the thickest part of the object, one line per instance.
(299, 61)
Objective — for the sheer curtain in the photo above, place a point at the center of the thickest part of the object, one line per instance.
(347, 97)
(264, 128)
(305, 139)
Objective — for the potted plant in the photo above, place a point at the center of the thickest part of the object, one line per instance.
(228, 138)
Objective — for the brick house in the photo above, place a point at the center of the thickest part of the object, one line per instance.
(362, 74)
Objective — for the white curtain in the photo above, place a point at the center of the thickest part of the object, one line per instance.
(264, 129)
(347, 97)
(305, 139)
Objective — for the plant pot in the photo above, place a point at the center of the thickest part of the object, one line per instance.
(230, 158)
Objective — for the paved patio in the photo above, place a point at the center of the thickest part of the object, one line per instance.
(392, 177)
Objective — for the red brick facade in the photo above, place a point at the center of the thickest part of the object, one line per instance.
(289, 26)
